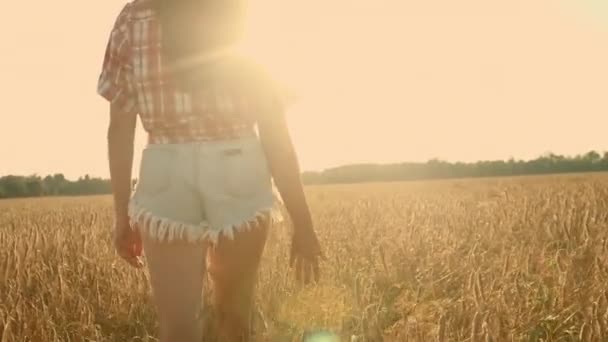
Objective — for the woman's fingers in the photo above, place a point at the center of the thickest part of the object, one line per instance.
(316, 271)
(299, 269)
(138, 262)
(312, 271)
(292, 257)
(306, 269)
(135, 262)
(131, 259)
(137, 256)
(307, 272)
(137, 243)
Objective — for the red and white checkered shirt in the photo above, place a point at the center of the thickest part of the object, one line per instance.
(135, 79)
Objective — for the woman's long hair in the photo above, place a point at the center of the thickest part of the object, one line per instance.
(192, 31)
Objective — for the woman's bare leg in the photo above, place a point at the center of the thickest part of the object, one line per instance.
(176, 274)
(233, 267)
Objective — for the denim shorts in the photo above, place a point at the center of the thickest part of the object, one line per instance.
(199, 191)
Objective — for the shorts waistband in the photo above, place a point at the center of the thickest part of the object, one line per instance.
(210, 145)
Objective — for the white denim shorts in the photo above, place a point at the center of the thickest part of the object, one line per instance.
(199, 191)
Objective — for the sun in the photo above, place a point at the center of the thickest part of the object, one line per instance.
(264, 36)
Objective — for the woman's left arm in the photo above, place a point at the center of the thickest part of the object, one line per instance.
(115, 85)
(121, 138)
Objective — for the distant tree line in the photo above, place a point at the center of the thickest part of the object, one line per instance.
(57, 185)
(437, 169)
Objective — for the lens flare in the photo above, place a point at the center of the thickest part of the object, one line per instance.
(321, 336)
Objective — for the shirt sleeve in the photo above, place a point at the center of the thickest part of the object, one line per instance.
(115, 82)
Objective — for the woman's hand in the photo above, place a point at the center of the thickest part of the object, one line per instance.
(305, 254)
(128, 242)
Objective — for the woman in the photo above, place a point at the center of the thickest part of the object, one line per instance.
(216, 137)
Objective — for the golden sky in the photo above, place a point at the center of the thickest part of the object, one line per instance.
(377, 81)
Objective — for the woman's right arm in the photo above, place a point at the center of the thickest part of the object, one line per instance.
(285, 169)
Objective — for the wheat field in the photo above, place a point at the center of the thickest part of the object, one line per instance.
(519, 259)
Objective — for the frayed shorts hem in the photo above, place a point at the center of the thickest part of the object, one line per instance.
(167, 229)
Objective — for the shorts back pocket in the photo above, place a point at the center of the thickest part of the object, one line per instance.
(156, 171)
(246, 172)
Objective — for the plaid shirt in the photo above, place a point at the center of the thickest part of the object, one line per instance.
(134, 78)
